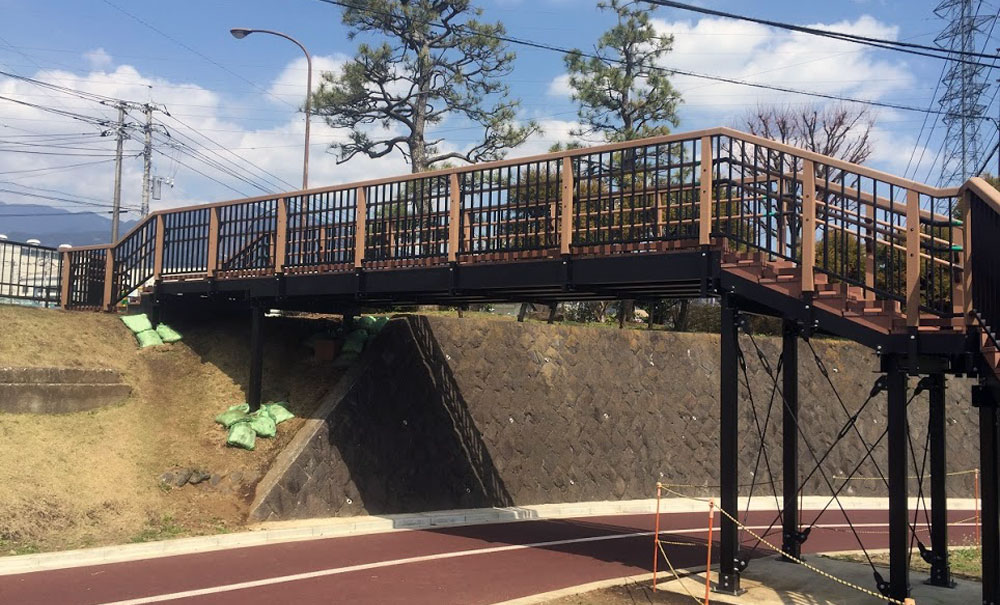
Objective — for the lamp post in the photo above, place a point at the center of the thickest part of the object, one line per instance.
(239, 33)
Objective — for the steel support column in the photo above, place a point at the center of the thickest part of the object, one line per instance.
(256, 356)
(729, 564)
(791, 543)
(989, 450)
(940, 568)
(899, 581)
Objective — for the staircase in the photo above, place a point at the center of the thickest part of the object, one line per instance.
(839, 298)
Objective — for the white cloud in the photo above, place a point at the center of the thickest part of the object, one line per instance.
(98, 58)
(289, 86)
(559, 86)
(756, 53)
(275, 147)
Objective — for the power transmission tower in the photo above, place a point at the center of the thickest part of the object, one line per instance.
(147, 158)
(964, 86)
(117, 202)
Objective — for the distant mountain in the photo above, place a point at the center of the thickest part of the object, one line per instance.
(53, 226)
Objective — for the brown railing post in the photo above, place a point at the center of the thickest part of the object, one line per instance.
(109, 278)
(359, 228)
(912, 258)
(705, 194)
(454, 216)
(808, 225)
(212, 261)
(281, 236)
(566, 223)
(66, 275)
(869, 213)
(158, 248)
(967, 255)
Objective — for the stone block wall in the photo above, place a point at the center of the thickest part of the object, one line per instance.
(449, 413)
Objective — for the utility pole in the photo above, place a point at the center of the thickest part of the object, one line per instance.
(147, 159)
(117, 203)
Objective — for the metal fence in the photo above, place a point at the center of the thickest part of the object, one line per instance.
(29, 274)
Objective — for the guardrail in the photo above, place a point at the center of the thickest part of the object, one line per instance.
(30, 274)
(982, 209)
(892, 238)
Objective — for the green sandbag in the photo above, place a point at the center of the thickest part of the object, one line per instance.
(380, 323)
(235, 413)
(262, 424)
(148, 338)
(242, 435)
(137, 323)
(355, 342)
(167, 333)
(365, 322)
(278, 412)
(345, 360)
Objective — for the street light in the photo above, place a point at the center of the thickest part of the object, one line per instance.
(241, 32)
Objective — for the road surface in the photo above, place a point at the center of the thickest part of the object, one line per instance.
(457, 565)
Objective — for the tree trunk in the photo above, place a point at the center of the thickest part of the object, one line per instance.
(681, 319)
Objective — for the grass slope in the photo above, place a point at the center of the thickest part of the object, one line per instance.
(91, 478)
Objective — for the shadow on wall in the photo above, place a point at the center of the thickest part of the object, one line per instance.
(405, 434)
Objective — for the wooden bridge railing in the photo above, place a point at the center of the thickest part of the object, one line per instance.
(893, 238)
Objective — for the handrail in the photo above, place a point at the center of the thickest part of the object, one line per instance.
(601, 198)
(982, 280)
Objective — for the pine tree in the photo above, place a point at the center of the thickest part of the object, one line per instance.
(622, 92)
(435, 60)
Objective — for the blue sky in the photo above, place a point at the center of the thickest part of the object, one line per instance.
(244, 95)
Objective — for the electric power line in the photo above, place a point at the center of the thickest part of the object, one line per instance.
(667, 70)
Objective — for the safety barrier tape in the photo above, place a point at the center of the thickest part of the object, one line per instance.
(812, 568)
(951, 474)
(674, 571)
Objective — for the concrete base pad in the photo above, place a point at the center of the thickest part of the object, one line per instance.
(773, 582)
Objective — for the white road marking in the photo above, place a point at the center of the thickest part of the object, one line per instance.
(448, 555)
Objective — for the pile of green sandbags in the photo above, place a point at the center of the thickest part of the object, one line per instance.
(358, 332)
(145, 334)
(244, 427)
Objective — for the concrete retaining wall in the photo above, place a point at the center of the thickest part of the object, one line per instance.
(59, 390)
(453, 413)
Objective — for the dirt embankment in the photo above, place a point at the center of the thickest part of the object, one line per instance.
(93, 478)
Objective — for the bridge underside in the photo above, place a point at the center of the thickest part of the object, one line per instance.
(649, 276)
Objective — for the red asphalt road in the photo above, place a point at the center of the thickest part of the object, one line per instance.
(462, 580)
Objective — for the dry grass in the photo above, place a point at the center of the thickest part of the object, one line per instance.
(627, 594)
(91, 478)
(965, 561)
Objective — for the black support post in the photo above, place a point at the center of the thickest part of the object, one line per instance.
(729, 564)
(940, 568)
(899, 529)
(791, 543)
(989, 450)
(256, 356)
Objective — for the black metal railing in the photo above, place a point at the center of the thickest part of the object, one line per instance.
(87, 272)
(320, 230)
(133, 259)
(857, 226)
(29, 274)
(984, 262)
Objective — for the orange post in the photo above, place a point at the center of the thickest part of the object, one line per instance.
(705, 193)
(656, 535)
(912, 258)
(708, 561)
(566, 206)
(808, 225)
